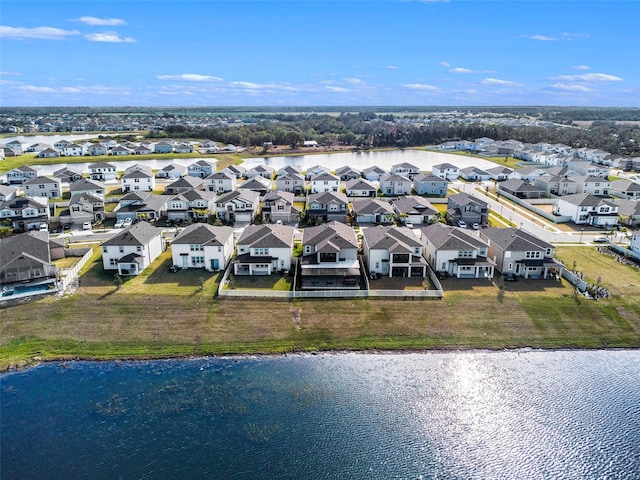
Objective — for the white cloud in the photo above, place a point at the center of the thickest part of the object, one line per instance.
(9, 74)
(100, 22)
(590, 77)
(354, 81)
(499, 82)
(336, 89)
(570, 36)
(572, 87)
(189, 77)
(420, 86)
(38, 33)
(34, 88)
(445, 64)
(468, 70)
(275, 87)
(540, 38)
(580, 67)
(93, 89)
(391, 67)
(110, 37)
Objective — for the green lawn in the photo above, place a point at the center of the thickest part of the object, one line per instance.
(268, 282)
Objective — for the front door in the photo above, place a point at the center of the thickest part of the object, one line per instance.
(215, 264)
(185, 263)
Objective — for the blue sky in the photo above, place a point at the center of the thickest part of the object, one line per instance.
(384, 52)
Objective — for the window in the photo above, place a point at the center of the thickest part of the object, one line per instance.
(465, 254)
(138, 248)
(196, 248)
(533, 255)
(121, 249)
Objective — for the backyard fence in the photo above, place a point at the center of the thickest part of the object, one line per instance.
(71, 274)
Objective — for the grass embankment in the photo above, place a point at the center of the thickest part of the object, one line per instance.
(160, 314)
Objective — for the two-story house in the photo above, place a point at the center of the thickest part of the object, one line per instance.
(264, 250)
(373, 173)
(405, 169)
(202, 168)
(220, 182)
(474, 174)
(330, 258)
(142, 206)
(327, 206)
(26, 259)
(22, 173)
(372, 210)
(85, 185)
(132, 250)
(415, 209)
(83, 208)
(446, 171)
(360, 187)
(519, 253)
(257, 184)
(278, 206)
(192, 204)
(429, 184)
(593, 185)
(262, 170)
(583, 208)
(347, 173)
(325, 182)
(291, 182)
(395, 185)
(201, 245)
(184, 184)
(456, 252)
(42, 187)
(138, 179)
(173, 171)
(25, 213)
(393, 251)
(465, 207)
(625, 188)
(238, 206)
(102, 171)
(67, 175)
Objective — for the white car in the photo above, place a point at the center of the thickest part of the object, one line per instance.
(127, 222)
(119, 224)
(408, 224)
(475, 226)
(86, 226)
(462, 224)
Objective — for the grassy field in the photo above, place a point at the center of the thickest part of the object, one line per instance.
(161, 314)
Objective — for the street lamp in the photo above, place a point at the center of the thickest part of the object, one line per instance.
(581, 231)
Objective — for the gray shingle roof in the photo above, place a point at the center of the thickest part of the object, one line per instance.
(138, 234)
(203, 234)
(267, 236)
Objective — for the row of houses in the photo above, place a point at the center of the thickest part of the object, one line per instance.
(330, 251)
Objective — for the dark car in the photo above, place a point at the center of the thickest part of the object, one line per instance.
(510, 277)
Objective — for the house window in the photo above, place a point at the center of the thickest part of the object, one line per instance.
(138, 249)
(121, 249)
(196, 248)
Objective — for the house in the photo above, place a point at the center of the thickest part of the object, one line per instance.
(265, 171)
(94, 149)
(446, 171)
(183, 148)
(625, 188)
(360, 187)
(528, 173)
(474, 174)
(372, 210)
(429, 184)
(467, 208)
(393, 251)
(7, 192)
(291, 182)
(325, 182)
(395, 185)
(220, 182)
(132, 250)
(239, 205)
(42, 187)
(520, 188)
(83, 207)
(21, 174)
(583, 208)
(16, 146)
(138, 180)
(67, 175)
(24, 213)
(289, 169)
(163, 147)
(192, 204)
(257, 184)
(415, 209)
(593, 185)
(61, 144)
(628, 212)
(201, 245)
(141, 150)
(456, 252)
(405, 169)
(202, 168)
(278, 206)
(519, 253)
(48, 153)
(264, 250)
(347, 173)
(102, 171)
(87, 186)
(25, 259)
(73, 150)
(236, 170)
(316, 170)
(184, 184)
(142, 206)
(589, 168)
(374, 173)
(310, 143)
(555, 184)
(173, 171)
(330, 258)
(327, 207)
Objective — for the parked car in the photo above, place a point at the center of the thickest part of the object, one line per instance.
(408, 224)
(119, 224)
(127, 222)
(600, 240)
(475, 226)
(44, 227)
(510, 277)
(86, 226)
(462, 224)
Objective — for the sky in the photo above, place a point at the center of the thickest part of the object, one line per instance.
(325, 53)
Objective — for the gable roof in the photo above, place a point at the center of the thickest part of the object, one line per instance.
(332, 236)
(371, 206)
(415, 205)
(186, 182)
(138, 234)
(391, 238)
(33, 244)
(429, 177)
(328, 197)
(267, 236)
(446, 237)
(246, 195)
(360, 184)
(514, 239)
(203, 234)
(85, 184)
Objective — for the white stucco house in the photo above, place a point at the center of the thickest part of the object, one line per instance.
(42, 187)
(132, 250)
(201, 245)
(264, 249)
(587, 209)
(393, 251)
(446, 171)
(220, 182)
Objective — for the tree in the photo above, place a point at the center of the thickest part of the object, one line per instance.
(117, 280)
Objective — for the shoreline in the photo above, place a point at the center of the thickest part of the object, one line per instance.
(37, 360)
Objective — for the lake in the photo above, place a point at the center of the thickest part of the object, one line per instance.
(462, 415)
